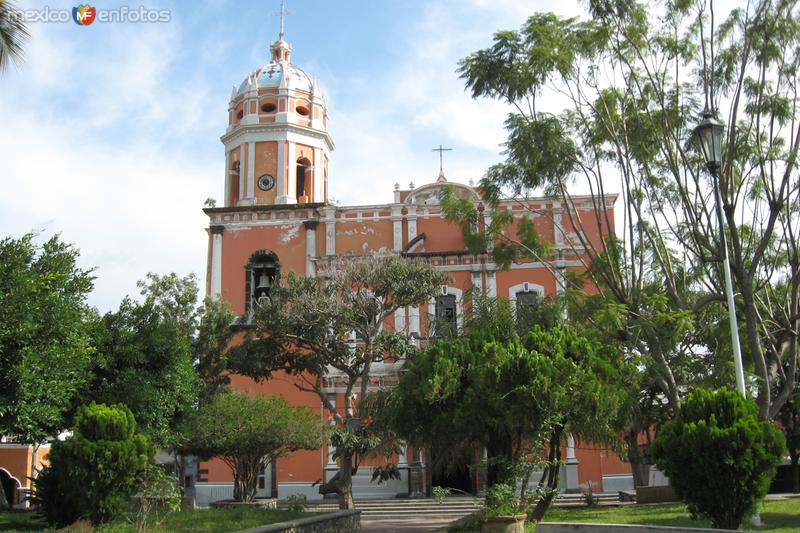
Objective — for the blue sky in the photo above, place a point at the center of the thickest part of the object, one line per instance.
(109, 133)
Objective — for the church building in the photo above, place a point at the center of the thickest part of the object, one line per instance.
(276, 218)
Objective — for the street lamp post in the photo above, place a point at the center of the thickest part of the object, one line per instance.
(708, 135)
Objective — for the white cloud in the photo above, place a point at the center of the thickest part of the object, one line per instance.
(97, 132)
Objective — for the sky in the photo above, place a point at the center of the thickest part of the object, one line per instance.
(109, 133)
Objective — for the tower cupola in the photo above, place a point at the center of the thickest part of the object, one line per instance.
(277, 144)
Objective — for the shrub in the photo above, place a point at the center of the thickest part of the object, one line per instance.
(719, 457)
(296, 503)
(158, 496)
(501, 500)
(247, 431)
(94, 472)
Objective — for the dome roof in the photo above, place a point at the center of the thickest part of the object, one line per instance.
(274, 72)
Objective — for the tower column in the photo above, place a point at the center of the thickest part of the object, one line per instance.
(215, 287)
(241, 174)
(319, 178)
(291, 173)
(226, 196)
(280, 185)
(251, 170)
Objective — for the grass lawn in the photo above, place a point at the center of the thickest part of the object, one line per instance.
(200, 521)
(782, 516)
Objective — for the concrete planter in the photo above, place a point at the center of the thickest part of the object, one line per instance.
(503, 524)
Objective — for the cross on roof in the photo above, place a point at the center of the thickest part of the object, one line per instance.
(282, 14)
(440, 150)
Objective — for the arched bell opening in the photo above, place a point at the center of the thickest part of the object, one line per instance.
(305, 181)
(263, 274)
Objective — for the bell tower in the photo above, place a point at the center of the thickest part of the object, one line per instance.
(277, 146)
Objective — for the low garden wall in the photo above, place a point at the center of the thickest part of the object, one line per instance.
(336, 522)
(561, 527)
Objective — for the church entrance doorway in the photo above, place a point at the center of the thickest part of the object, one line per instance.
(452, 470)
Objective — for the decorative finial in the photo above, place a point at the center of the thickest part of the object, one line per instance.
(397, 186)
(471, 182)
(411, 185)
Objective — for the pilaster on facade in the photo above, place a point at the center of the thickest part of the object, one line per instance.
(400, 320)
(411, 219)
(491, 283)
(311, 246)
(413, 320)
(477, 280)
(397, 228)
(329, 218)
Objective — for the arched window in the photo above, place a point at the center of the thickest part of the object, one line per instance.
(263, 273)
(303, 180)
(447, 313)
(527, 300)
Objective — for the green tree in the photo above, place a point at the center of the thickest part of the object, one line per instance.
(13, 34)
(94, 473)
(719, 457)
(210, 346)
(631, 84)
(248, 432)
(144, 360)
(305, 326)
(635, 84)
(44, 346)
(496, 391)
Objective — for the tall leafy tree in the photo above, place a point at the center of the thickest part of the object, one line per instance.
(144, 356)
(45, 349)
(495, 390)
(634, 80)
(305, 327)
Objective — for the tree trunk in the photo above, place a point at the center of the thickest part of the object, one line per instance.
(245, 482)
(640, 468)
(553, 476)
(795, 472)
(345, 488)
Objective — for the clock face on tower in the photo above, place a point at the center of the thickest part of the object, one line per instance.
(266, 182)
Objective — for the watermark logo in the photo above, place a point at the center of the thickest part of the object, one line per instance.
(84, 15)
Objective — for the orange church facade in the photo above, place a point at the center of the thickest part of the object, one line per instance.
(276, 219)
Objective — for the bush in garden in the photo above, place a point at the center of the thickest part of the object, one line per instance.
(719, 457)
(94, 473)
